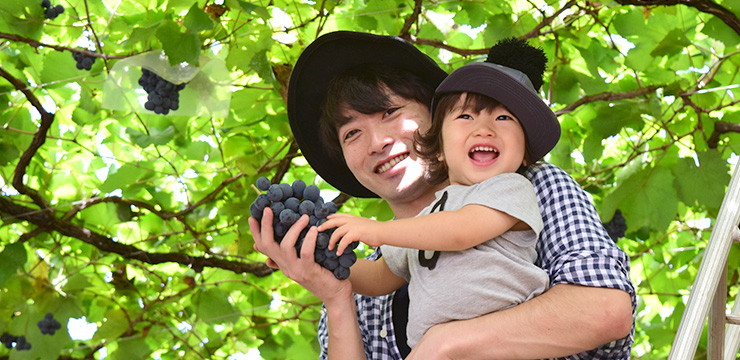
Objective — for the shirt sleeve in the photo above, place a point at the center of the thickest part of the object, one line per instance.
(574, 248)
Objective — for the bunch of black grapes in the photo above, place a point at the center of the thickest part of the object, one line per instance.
(18, 342)
(616, 226)
(162, 95)
(83, 61)
(288, 202)
(51, 12)
(48, 326)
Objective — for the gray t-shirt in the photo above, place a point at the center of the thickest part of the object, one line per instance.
(492, 276)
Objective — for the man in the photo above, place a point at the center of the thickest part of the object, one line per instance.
(371, 91)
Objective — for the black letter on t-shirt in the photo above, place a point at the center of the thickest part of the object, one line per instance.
(432, 262)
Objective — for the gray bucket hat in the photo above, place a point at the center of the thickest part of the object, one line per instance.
(513, 89)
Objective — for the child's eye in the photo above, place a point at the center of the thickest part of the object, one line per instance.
(504, 117)
(465, 116)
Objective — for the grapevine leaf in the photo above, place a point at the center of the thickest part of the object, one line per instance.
(197, 20)
(12, 259)
(179, 47)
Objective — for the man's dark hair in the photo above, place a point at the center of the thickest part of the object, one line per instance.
(429, 144)
(366, 89)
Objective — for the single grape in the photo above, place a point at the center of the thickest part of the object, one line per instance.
(263, 183)
(262, 201)
(277, 208)
(306, 207)
(347, 259)
(298, 187)
(292, 203)
(287, 190)
(341, 272)
(311, 193)
(288, 217)
(275, 193)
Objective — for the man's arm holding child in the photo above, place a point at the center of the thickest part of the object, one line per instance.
(565, 320)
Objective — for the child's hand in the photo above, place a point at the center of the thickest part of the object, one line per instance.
(350, 228)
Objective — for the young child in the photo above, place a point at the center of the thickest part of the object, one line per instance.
(472, 251)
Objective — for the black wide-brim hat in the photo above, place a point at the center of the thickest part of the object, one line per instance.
(515, 91)
(327, 57)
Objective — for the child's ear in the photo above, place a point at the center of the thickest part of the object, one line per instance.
(441, 157)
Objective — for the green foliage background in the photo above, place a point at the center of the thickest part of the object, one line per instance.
(138, 222)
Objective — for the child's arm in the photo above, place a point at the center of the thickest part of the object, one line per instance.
(441, 231)
(373, 278)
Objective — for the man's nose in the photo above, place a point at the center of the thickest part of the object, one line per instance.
(380, 141)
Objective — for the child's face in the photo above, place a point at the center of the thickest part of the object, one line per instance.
(476, 147)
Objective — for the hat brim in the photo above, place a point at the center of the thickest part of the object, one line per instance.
(327, 57)
(511, 88)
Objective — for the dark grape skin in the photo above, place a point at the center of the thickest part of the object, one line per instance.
(285, 215)
(48, 325)
(263, 183)
(162, 95)
(617, 226)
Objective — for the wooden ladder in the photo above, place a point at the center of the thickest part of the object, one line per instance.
(708, 296)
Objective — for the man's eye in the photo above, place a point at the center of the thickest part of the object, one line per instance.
(350, 134)
(390, 111)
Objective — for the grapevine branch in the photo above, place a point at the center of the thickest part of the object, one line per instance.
(705, 6)
(38, 140)
(721, 127)
(35, 44)
(50, 223)
(607, 96)
(547, 20)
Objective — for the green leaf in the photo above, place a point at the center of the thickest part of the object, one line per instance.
(197, 20)
(647, 199)
(673, 43)
(718, 29)
(213, 306)
(262, 66)
(114, 326)
(8, 153)
(136, 348)
(123, 177)
(155, 136)
(177, 46)
(12, 259)
(704, 184)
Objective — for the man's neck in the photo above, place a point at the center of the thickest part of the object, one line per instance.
(406, 209)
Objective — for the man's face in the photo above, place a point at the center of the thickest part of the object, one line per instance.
(379, 149)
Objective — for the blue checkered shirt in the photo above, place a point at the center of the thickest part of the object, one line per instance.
(574, 248)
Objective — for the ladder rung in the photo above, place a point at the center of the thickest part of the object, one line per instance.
(733, 319)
